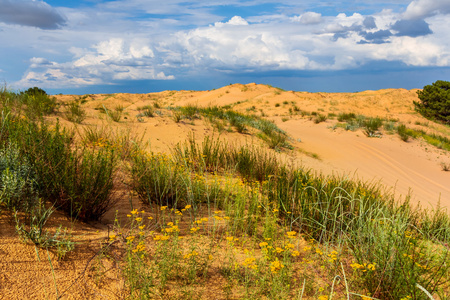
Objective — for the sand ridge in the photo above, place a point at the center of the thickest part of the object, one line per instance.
(402, 167)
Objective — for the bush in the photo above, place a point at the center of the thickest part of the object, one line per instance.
(403, 132)
(156, 178)
(435, 101)
(75, 113)
(371, 126)
(18, 188)
(78, 181)
(38, 102)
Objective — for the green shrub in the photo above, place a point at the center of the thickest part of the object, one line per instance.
(345, 117)
(38, 103)
(156, 178)
(371, 126)
(320, 118)
(18, 181)
(445, 166)
(435, 101)
(78, 181)
(148, 112)
(87, 184)
(115, 114)
(74, 112)
(34, 103)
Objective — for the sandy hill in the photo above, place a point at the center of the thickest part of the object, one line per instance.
(404, 167)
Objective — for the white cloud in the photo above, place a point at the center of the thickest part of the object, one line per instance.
(110, 60)
(234, 21)
(419, 9)
(308, 18)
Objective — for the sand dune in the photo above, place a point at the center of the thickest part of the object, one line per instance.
(411, 167)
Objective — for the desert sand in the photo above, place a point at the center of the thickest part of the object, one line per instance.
(403, 168)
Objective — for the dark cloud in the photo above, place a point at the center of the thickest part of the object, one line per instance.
(344, 31)
(377, 37)
(369, 23)
(30, 13)
(380, 34)
(412, 28)
(339, 35)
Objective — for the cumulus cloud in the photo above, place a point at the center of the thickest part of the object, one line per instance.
(234, 21)
(420, 9)
(254, 44)
(377, 37)
(369, 22)
(411, 28)
(105, 62)
(30, 13)
(308, 18)
(239, 48)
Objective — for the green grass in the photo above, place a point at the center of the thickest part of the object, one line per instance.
(319, 118)
(436, 140)
(114, 114)
(371, 127)
(268, 131)
(74, 112)
(146, 111)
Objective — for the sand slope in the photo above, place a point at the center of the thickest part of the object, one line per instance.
(402, 167)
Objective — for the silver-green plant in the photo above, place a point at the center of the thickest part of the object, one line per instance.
(17, 179)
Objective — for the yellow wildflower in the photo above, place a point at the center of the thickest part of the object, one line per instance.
(289, 246)
(194, 229)
(276, 266)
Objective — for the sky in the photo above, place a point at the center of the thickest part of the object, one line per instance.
(142, 46)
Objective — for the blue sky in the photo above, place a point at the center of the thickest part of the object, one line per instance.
(96, 46)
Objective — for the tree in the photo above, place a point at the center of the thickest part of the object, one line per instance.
(34, 91)
(435, 101)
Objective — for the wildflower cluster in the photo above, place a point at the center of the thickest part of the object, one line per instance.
(363, 267)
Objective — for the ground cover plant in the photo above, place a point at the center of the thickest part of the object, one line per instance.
(220, 220)
(268, 131)
(371, 126)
